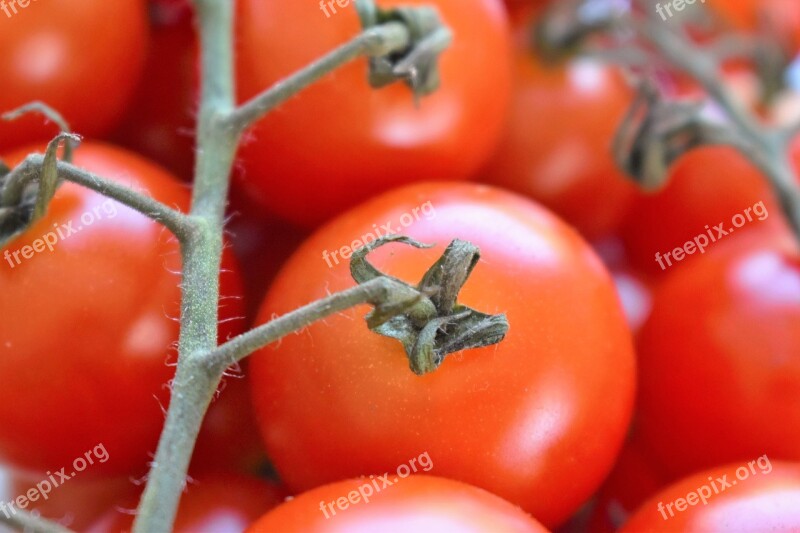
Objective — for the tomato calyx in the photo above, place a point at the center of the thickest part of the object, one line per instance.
(418, 65)
(427, 319)
(26, 191)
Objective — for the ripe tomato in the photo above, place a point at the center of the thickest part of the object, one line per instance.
(345, 141)
(753, 496)
(89, 322)
(417, 501)
(720, 375)
(82, 57)
(222, 503)
(160, 120)
(339, 401)
(557, 143)
(695, 200)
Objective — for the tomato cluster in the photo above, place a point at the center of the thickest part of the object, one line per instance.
(649, 379)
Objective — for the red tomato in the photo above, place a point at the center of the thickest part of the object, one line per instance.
(720, 375)
(753, 496)
(339, 401)
(223, 503)
(557, 146)
(82, 57)
(431, 503)
(706, 187)
(89, 322)
(339, 141)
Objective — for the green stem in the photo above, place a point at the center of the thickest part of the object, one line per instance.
(220, 125)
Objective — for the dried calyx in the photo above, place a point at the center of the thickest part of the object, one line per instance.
(417, 65)
(427, 319)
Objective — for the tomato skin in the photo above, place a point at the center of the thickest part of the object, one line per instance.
(88, 328)
(418, 500)
(694, 198)
(767, 500)
(340, 141)
(339, 401)
(557, 145)
(719, 372)
(222, 503)
(46, 56)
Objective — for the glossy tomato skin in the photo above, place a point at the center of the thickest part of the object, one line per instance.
(705, 187)
(221, 503)
(88, 329)
(764, 496)
(556, 146)
(417, 501)
(719, 372)
(82, 57)
(338, 401)
(340, 141)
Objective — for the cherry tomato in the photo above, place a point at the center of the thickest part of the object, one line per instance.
(340, 141)
(557, 143)
(753, 496)
(719, 376)
(339, 401)
(90, 306)
(160, 119)
(222, 503)
(706, 187)
(82, 57)
(778, 18)
(416, 501)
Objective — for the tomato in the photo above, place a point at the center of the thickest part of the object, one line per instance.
(339, 401)
(223, 503)
(90, 322)
(417, 501)
(693, 202)
(720, 375)
(82, 57)
(340, 141)
(557, 144)
(753, 496)
(160, 120)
